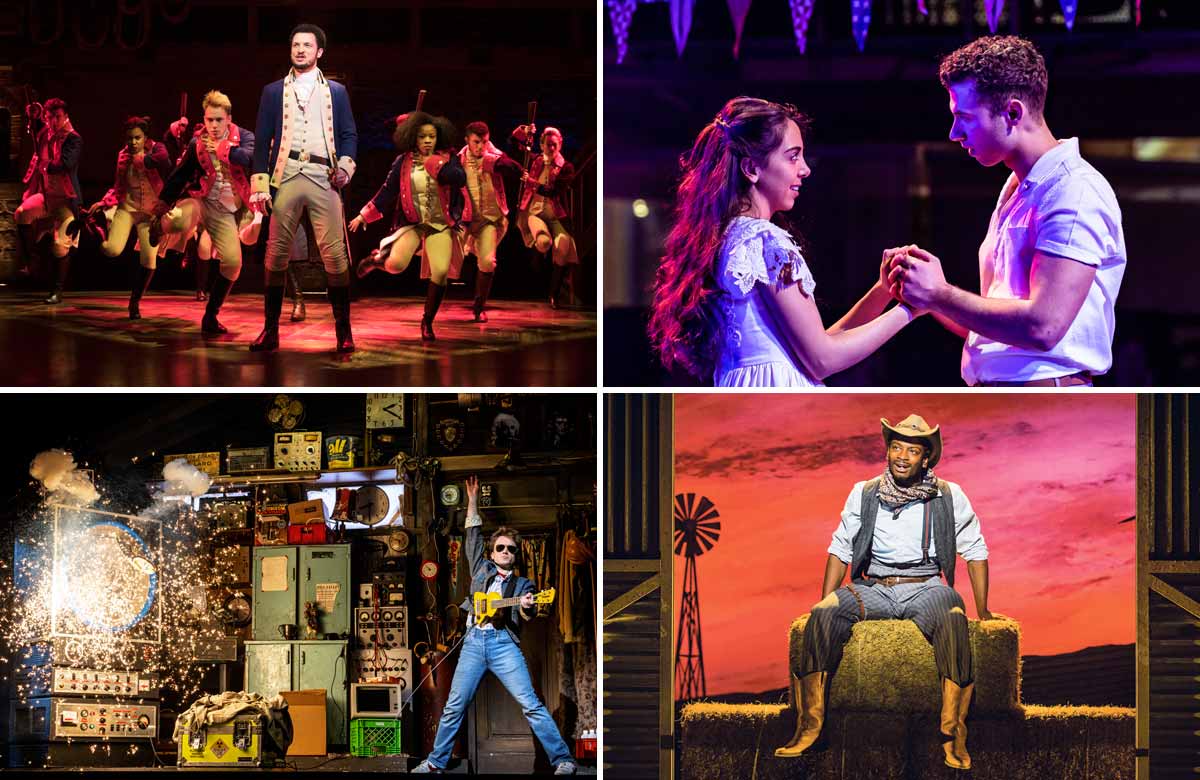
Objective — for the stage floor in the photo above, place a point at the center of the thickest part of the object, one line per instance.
(88, 340)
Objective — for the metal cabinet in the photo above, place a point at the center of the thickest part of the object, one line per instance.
(325, 579)
(275, 592)
(285, 578)
(272, 667)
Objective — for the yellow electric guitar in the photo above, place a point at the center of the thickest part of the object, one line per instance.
(488, 604)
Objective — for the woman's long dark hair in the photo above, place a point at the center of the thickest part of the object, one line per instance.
(684, 319)
(405, 136)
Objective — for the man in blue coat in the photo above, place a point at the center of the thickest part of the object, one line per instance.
(304, 155)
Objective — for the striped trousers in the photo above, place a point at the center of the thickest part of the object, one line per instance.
(936, 609)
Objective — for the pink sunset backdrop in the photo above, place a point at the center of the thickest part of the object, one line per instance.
(1051, 477)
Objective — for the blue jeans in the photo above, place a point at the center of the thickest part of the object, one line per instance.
(494, 650)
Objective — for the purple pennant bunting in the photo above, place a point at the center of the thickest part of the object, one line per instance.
(681, 22)
(994, 9)
(860, 21)
(1069, 7)
(620, 13)
(738, 10)
(801, 13)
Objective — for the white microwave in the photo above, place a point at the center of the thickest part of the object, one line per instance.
(376, 700)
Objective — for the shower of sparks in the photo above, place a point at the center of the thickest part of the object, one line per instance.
(105, 597)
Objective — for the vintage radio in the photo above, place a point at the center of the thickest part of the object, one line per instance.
(208, 462)
(298, 451)
(270, 525)
(43, 719)
(247, 460)
(238, 742)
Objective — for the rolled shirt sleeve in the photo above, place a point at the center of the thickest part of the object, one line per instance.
(843, 536)
(968, 535)
(1080, 223)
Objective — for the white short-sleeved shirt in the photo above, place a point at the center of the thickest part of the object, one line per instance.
(753, 353)
(1065, 209)
(898, 538)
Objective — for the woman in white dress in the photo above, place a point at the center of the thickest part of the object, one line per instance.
(734, 295)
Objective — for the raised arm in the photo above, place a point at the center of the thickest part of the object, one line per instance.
(473, 527)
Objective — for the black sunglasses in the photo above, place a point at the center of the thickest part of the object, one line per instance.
(512, 548)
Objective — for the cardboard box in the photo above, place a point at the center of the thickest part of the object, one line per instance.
(307, 709)
(306, 512)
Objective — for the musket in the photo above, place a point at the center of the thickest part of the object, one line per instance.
(532, 114)
(183, 104)
(420, 100)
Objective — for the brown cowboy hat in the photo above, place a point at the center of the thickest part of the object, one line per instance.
(915, 427)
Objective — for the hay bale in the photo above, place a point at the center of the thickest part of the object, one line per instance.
(1089, 743)
(739, 741)
(1066, 743)
(888, 666)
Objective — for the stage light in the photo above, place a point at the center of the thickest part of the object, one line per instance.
(640, 209)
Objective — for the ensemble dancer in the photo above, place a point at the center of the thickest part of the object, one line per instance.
(426, 187)
(52, 191)
(307, 142)
(1053, 258)
(215, 171)
(494, 644)
(733, 298)
(485, 167)
(544, 216)
(142, 166)
(199, 252)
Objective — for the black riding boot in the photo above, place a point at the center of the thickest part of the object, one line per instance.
(299, 313)
(339, 301)
(483, 286)
(209, 326)
(139, 289)
(433, 299)
(272, 307)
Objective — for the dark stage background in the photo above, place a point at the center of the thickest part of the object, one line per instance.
(884, 173)
(478, 59)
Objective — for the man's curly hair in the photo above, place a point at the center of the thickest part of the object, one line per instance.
(1003, 67)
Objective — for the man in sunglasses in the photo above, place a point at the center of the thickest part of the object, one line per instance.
(494, 644)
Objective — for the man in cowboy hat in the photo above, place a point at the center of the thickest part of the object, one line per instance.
(900, 534)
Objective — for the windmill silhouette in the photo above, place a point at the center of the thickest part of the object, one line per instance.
(696, 531)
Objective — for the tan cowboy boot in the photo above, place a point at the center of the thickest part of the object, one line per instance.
(955, 703)
(808, 698)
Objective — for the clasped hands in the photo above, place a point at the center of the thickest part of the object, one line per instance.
(912, 276)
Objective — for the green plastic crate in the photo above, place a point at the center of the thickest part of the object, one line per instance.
(374, 737)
